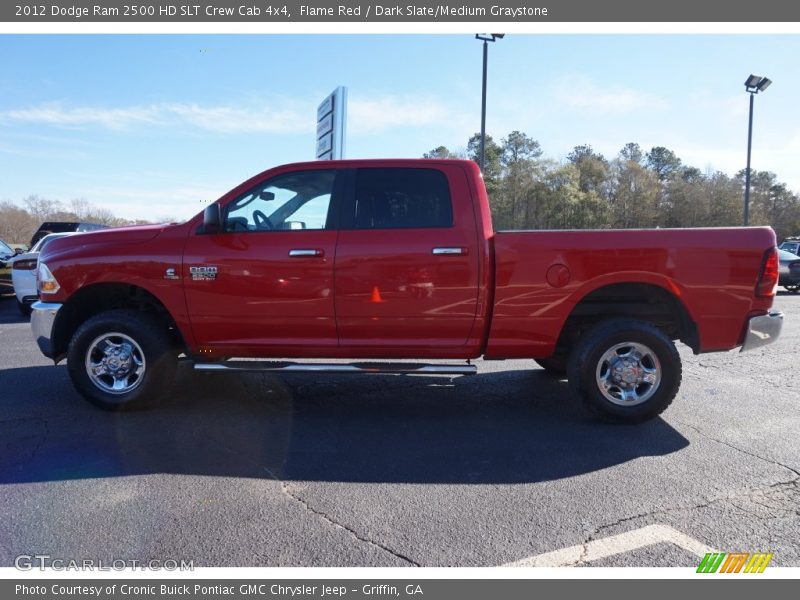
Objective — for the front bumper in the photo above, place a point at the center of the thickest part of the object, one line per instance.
(763, 330)
(25, 286)
(43, 317)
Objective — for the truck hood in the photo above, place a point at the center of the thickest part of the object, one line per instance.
(134, 234)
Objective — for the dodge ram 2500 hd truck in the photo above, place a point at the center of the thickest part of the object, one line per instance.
(397, 259)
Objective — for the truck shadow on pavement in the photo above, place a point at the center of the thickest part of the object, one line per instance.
(8, 317)
(495, 427)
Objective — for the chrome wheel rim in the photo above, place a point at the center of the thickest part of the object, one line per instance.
(115, 363)
(628, 374)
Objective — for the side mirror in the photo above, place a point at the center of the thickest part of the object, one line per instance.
(267, 196)
(212, 219)
(18, 251)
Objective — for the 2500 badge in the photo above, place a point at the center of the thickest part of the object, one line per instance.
(203, 273)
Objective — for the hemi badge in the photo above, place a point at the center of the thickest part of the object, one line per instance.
(170, 274)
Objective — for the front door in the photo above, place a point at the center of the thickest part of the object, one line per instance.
(265, 283)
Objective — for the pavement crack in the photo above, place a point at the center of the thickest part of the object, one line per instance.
(794, 471)
(753, 495)
(327, 518)
(595, 535)
(584, 549)
(336, 524)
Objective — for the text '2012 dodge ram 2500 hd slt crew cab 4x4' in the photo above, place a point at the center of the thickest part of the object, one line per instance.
(371, 260)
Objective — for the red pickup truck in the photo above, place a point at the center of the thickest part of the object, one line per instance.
(397, 259)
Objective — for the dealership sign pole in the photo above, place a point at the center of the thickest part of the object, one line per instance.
(331, 125)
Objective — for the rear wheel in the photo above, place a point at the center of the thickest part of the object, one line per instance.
(625, 370)
(122, 359)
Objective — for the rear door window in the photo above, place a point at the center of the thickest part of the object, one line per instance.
(401, 198)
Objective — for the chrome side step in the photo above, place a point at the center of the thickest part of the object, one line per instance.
(372, 367)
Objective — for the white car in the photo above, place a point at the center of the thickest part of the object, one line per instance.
(23, 273)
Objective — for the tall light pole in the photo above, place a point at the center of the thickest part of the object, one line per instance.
(486, 38)
(753, 85)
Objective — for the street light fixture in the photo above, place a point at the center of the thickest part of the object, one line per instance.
(753, 85)
(485, 38)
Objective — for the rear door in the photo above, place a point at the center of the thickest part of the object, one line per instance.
(407, 260)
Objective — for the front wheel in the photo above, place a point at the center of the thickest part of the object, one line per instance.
(122, 359)
(625, 370)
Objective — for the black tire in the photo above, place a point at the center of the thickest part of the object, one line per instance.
(792, 289)
(151, 346)
(24, 309)
(595, 354)
(554, 365)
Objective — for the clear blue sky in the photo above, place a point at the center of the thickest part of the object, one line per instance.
(151, 126)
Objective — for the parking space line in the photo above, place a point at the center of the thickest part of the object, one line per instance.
(615, 544)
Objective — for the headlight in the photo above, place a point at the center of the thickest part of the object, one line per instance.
(45, 282)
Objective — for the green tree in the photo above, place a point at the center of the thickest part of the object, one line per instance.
(519, 148)
(663, 162)
(691, 174)
(493, 156)
(723, 196)
(519, 160)
(493, 171)
(636, 189)
(593, 168)
(772, 203)
(570, 207)
(633, 152)
(440, 152)
(634, 194)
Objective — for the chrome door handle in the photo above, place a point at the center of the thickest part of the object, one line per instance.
(460, 251)
(305, 252)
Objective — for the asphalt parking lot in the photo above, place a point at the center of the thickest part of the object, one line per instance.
(502, 467)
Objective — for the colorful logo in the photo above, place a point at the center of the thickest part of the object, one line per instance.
(734, 562)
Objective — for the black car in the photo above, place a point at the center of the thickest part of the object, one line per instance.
(789, 273)
(6, 254)
(63, 227)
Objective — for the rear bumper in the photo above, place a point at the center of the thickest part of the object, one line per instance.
(763, 330)
(43, 316)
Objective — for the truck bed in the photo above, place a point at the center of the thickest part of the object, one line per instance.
(541, 275)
